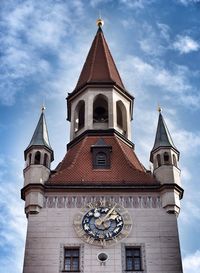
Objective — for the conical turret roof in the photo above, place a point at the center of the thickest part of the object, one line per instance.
(99, 67)
(40, 136)
(163, 137)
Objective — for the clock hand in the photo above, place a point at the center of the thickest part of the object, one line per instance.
(101, 220)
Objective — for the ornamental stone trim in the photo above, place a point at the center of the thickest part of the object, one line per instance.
(72, 201)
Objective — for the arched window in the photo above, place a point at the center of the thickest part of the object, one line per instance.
(79, 116)
(46, 160)
(174, 160)
(101, 160)
(37, 158)
(121, 117)
(29, 159)
(158, 160)
(166, 158)
(100, 109)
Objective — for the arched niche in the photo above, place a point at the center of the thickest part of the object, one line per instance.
(37, 158)
(158, 157)
(121, 117)
(166, 158)
(174, 160)
(46, 160)
(100, 109)
(29, 159)
(79, 116)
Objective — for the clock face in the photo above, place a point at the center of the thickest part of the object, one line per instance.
(102, 223)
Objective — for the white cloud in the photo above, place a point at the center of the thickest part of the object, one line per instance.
(185, 44)
(191, 263)
(147, 78)
(136, 4)
(187, 2)
(188, 141)
(155, 40)
(95, 3)
(31, 29)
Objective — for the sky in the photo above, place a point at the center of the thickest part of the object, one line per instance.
(43, 45)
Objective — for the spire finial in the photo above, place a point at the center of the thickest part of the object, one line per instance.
(159, 109)
(99, 21)
(43, 108)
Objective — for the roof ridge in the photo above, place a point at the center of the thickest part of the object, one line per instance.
(77, 154)
(93, 56)
(113, 64)
(127, 159)
(107, 62)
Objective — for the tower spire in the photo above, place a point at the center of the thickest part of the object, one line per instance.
(40, 136)
(163, 138)
(99, 67)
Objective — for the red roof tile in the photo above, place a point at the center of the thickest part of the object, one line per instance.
(77, 166)
(99, 66)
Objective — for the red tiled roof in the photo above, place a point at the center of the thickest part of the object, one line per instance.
(77, 167)
(99, 66)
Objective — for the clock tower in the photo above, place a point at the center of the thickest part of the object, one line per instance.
(100, 210)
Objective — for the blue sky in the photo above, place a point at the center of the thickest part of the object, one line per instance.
(43, 45)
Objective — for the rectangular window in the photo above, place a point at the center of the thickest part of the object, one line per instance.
(71, 259)
(133, 259)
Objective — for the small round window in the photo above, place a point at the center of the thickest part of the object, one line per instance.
(102, 257)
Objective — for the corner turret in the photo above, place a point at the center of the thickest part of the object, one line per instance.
(38, 157)
(165, 157)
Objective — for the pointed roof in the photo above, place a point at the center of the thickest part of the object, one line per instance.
(99, 66)
(163, 137)
(40, 136)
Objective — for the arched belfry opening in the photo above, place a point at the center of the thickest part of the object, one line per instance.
(46, 160)
(79, 116)
(37, 158)
(100, 109)
(121, 117)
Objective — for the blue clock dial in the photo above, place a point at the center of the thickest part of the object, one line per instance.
(102, 223)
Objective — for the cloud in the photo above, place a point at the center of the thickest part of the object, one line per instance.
(147, 78)
(185, 44)
(95, 3)
(191, 263)
(33, 36)
(188, 2)
(155, 40)
(13, 224)
(136, 4)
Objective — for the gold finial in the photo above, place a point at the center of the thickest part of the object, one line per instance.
(159, 109)
(43, 108)
(100, 22)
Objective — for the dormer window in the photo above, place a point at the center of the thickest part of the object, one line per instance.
(101, 160)
(101, 155)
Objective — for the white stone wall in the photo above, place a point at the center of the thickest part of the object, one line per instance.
(153, 229)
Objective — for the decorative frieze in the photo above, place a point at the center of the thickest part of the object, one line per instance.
(69, 201)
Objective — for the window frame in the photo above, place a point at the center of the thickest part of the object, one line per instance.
(133, 258)
(101, 150)
(62, 256)
(142, 255)
(66, 248)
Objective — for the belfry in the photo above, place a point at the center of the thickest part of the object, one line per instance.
(100, 209)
